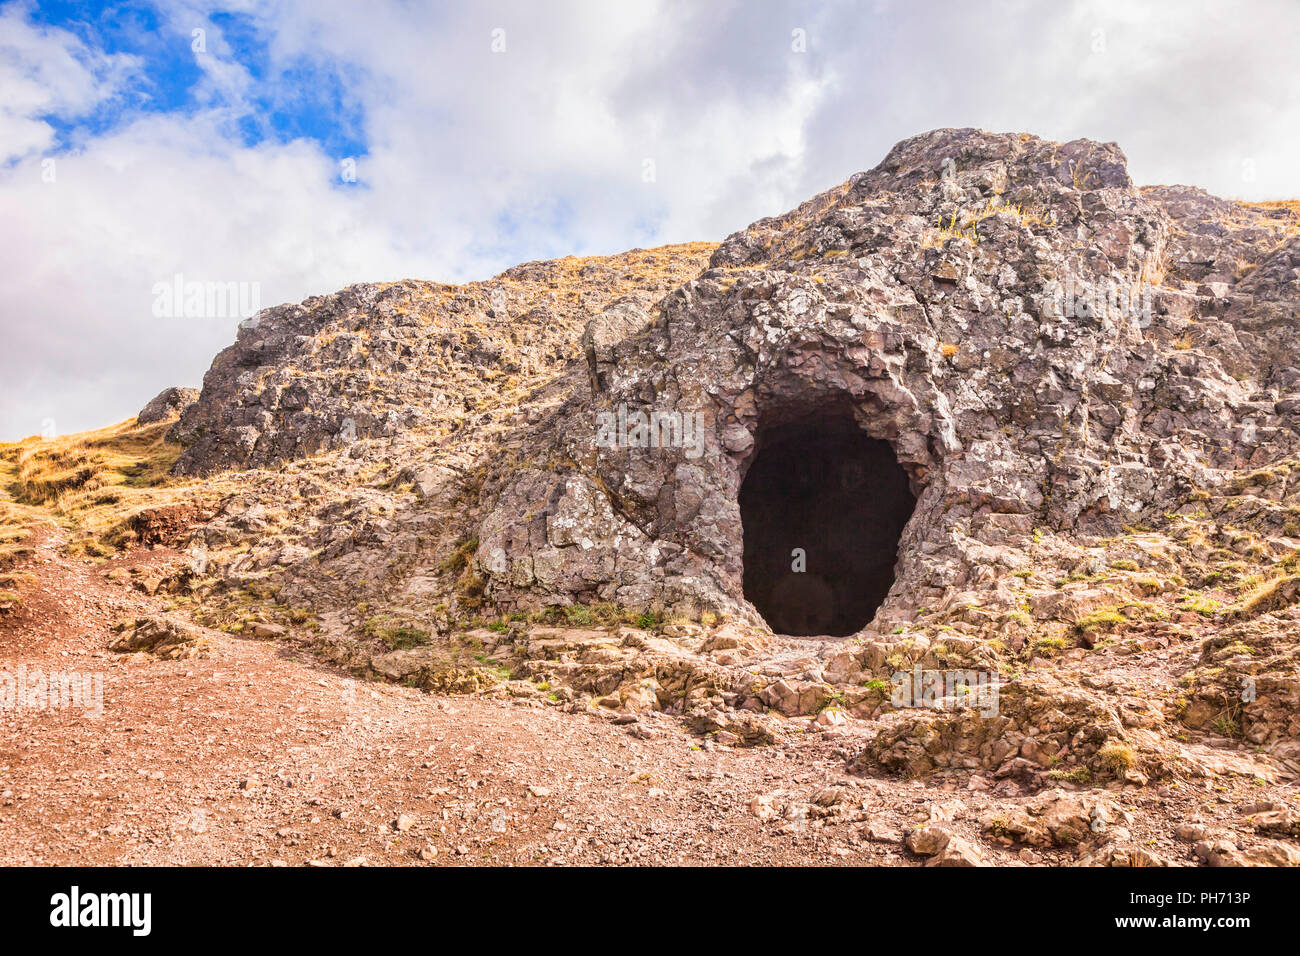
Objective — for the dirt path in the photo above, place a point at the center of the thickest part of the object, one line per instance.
(256, 756)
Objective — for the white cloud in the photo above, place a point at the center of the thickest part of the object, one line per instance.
(478, 159)
(47, 72)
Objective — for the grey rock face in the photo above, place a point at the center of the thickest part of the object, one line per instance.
(168, 402)
(606, 330)
(381, 360)
(1040, 342)
(1050, 353)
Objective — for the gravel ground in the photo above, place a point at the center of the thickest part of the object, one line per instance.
(255, 755)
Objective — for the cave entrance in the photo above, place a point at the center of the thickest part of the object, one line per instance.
(823, 506)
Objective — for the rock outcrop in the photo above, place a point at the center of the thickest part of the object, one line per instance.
(168, 402)
(162, 637)
(382, 360)
(1090, 391)
(1042, 344)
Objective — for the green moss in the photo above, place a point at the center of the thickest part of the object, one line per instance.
(396, 632)
(1101, 620)
(1048, 646)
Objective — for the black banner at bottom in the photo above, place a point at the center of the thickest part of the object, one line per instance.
(301, 905)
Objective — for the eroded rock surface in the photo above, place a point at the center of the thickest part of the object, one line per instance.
(377, 360)
(1092, 388)
(168, 402)
(1042, 343)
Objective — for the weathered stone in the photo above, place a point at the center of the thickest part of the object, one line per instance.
(162, 637)
(927, 841)
(1056, 818)
(168, 402)
(1224, 852)
(943, 847)
(1122, 854)
(375, 360)
(957, 852)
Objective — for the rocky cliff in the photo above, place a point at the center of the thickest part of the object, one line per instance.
(1090, 390)
(379, 360)
(1042, 344)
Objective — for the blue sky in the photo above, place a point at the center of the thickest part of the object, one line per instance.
(128, 156)
(302, 98)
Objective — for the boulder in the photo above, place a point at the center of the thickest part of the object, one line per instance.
(167, 404)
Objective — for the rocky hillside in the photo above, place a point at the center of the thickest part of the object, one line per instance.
(1042, 344)
(1087, 389)
(381, 360)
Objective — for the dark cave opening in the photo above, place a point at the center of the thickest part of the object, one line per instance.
(823, 486)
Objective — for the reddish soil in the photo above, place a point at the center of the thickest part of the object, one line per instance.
(256, 755)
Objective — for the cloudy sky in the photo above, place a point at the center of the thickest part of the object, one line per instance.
(304, 145)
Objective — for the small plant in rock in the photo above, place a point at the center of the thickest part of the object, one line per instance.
(397, 633)
(300, 615)
(579, 615)
(1048, 646)
(1104, 620)
(1116, 757)
(459, 558)
(1078, 775)
(1199, 604)
(1227, 725)
(469, 589)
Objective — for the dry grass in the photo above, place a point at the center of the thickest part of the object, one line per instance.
(13, 534)
(12, 547)
(1286, 213)
(68, 473)
(1290, 205)
(1271, 596)
(962, 225)
(1116, 757)
(90, 483)
(1282, 218)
